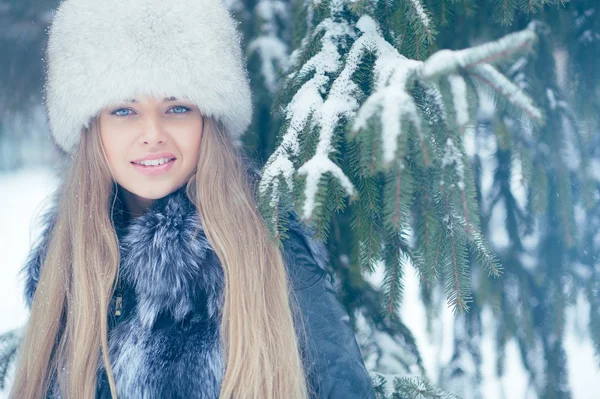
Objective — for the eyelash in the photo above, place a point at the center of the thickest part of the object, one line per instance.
(175, 106)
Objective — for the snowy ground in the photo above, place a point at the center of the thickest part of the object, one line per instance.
(27, 191)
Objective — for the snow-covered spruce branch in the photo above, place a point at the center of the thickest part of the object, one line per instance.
(458, 87)
(393, 72)
(421, 15)
(490, 76)
(391, 99)
(400, 74)
(280, 167)
(326, 115)
(306, 103)
(445, 62)
(268, 45)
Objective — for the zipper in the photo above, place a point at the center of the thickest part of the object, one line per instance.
(119, 300)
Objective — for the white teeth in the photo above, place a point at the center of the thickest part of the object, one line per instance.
(154, 162)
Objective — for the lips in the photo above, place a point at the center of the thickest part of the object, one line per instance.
(158, 155)
(154, 170)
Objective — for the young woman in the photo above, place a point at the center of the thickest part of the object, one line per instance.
(155, 276)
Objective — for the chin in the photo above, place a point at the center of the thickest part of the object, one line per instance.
(155, 191)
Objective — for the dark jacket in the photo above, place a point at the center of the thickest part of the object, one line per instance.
(165, 344)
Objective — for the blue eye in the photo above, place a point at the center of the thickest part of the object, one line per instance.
(181, 107)
(115, 112)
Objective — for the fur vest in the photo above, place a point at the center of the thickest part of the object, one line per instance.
(165, 343)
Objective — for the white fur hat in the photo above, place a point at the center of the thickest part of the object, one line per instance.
(102, 52)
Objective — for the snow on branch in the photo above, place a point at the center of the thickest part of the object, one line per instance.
(452, 156)
(305, 102)
(419, 10)
(444, 62)
(395, 76)
(395, 104)
(273, 52)
(392, 73)
(500, 83)
(458, 87)
(341, 102)
(280, 166)
(391, 99)
(269, 46)
(314, 169)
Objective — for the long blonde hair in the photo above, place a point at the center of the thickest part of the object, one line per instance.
(262, 331)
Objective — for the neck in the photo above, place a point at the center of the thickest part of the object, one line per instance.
(134, 204)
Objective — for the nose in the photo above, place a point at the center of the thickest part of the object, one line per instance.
(153, 130)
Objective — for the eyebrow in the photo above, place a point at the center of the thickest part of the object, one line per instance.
(164, 100)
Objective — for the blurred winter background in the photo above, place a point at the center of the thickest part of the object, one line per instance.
(534, 332)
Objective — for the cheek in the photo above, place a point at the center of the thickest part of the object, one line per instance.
(192, 144)
(113, 146)
(197, 145)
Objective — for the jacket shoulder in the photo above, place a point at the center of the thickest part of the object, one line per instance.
(335, 365)
(307, 258)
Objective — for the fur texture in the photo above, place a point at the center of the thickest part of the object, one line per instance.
(171, 340)
(104, 52)
(166, 345)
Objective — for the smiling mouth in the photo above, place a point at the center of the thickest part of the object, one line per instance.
(153, 166)
(154, 170)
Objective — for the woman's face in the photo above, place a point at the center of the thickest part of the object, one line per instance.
(153, 129)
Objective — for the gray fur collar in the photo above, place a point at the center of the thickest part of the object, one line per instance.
(167, 344)
(171, 271)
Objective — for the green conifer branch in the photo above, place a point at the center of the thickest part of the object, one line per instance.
(9, 345)
(389, 386)
(392, 286)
